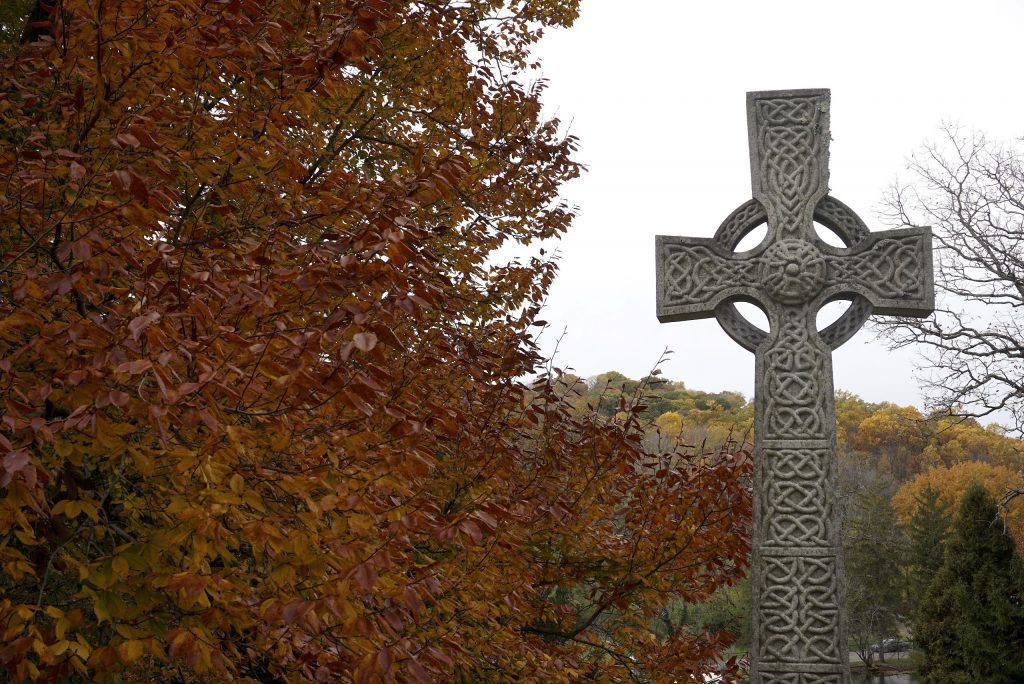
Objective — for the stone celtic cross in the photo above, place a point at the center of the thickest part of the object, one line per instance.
(799, 630)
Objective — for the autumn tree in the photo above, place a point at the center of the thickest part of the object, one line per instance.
(851, 410)
(957, 439)
(259, 363)
(970, 626)
(951, 484)
(894, 437)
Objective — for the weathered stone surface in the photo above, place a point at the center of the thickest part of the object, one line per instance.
(799, 632)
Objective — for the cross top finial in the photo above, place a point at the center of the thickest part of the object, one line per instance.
(789, 139)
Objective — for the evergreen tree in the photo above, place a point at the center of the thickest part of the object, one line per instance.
(926, 541)
(970, 625)
(872, 548)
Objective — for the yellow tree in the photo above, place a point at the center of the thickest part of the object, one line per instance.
(951, 483)
(954, 440)
(893, 436)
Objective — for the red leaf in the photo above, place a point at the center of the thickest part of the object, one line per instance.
(81, 249)
(15, 461)
(130, 183)
(486, 518)
(138, 187)
(136, 367)
(295, 610)
(15, 650)
(144, 137)
(122, 181)
(77, 171)
(472, 529)
(384, 660)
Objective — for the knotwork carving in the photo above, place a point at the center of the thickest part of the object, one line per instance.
(797, 509)
(800, 678)
(741, 221)
(790, 159)
(830, 212)
(892, 269)
(698, 274)
(799, 610)
(794, 368)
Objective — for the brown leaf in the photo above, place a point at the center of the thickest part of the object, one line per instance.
(358, 403)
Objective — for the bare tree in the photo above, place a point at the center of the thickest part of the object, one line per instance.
(971, 191)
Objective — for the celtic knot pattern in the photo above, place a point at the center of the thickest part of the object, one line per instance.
(799, 610)
(795, 369)
(792, 271)
(842, 220)
(798, 506)
(892, 269)
(848, 324)
(696, 275)
(741, 221)
(830, 212)
(793, 175)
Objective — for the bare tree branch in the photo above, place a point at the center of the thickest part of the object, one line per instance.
(971, 191)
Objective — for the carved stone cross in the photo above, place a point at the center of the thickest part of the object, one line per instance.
(799, 630)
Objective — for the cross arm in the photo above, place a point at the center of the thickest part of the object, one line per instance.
(892, 269)
(695, 275)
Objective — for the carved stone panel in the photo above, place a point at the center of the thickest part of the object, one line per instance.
(800, 611)
(798, 509)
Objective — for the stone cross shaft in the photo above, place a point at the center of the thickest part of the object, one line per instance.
(799, 630)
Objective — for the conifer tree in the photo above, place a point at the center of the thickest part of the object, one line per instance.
(871, 545)
(970, 625)
(926, 540)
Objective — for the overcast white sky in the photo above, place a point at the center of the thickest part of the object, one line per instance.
(655, 90)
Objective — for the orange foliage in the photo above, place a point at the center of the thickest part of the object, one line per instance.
(895, 435)
(951, 482)
(260, 410)
(956, 440)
